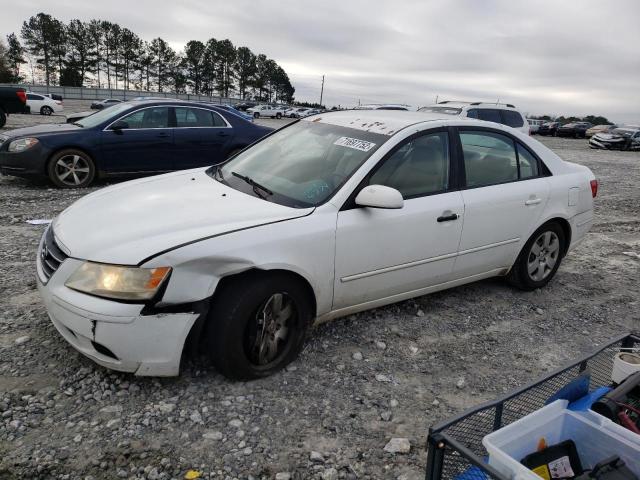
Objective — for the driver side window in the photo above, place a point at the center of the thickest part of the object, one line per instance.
(154, 117)
(419, 167)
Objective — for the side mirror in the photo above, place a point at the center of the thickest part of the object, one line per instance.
(379, 196)
(119, 125)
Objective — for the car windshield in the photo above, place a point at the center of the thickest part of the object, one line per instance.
(301, 165)
(103, 115)
(445, 110)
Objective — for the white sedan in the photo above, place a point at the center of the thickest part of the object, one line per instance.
(43, 105)
(330, 215)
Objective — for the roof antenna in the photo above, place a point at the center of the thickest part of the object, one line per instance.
(437, 99)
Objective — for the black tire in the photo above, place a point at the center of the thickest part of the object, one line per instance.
(278, 116)
(256, 115)
(79, 176)
(3, 118)
(520, 276)
(233, 325)
(46, 110)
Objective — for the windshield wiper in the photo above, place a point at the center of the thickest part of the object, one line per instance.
(78, 124)
(256, 186)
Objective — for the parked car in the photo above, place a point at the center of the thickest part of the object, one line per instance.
(265, 111)
(131, 138)
(243, 106)
(12, 100)
(297, 112)
(617, 139)
(574, 129)
(549, 129)
(326, 217)
(534, 125)
(43, 105)
(107, 102)
(599, 129)
(232, 109)
(503, 113)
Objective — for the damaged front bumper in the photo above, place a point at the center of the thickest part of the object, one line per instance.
(116, 335)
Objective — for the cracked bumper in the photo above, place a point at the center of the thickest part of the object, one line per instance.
(113, 334)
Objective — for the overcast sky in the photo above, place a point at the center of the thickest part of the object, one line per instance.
(559, 57)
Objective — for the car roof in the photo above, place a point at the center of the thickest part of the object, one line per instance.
(386, 122)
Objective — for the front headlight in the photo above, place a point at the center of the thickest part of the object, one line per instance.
(22, 144)
(121, 283)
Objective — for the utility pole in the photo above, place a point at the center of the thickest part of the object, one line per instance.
(321, 91)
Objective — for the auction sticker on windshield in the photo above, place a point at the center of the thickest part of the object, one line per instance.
(354, 143)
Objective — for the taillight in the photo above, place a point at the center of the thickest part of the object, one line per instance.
(594, 188)
(22, 95)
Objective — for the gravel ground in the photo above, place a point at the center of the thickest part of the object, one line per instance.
(360, 381)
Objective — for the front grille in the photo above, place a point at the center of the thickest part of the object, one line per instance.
(50, 254)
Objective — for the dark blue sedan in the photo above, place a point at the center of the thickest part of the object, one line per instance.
(128, 139)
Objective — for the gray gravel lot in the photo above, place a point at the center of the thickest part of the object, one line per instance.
(359, 382)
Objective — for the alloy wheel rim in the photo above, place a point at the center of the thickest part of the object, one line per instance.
(72, 169)
(269, 335)
(543, 256)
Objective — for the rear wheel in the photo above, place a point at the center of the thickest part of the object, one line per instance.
(71, 169)
(3, 118)
(258, 325)
(278, 116)
(46, 110)
(540, 258)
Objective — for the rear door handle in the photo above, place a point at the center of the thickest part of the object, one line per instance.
(533, 201)
(222, 134)
(163, 135)
(448, 218)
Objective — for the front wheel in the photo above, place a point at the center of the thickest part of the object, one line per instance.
(258, 325)
(256, 115)
(540, 258)
(3, 118)
(71, 168)
(46, 110)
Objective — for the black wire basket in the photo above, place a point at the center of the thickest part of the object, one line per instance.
(454, 446)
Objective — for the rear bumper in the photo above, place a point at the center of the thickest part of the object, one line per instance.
(580, 226)
(113, 334)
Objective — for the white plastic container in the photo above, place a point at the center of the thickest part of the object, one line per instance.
(595, 436)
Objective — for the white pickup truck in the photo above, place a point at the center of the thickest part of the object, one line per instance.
(266, 111)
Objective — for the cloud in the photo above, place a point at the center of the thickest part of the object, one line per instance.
(544, 56)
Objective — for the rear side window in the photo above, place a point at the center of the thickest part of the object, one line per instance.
(512, 119)
(196, 117)
(492, 158)
(489, 158)
(490, 115)
(31, 96)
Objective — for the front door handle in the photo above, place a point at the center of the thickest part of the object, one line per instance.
(533, 201)
(163, 135)
(222, 134)
(448, 218)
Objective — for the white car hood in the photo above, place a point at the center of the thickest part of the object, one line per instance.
(129, 222)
